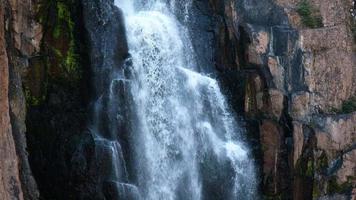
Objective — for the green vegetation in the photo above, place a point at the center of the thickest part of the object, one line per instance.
(321, 163)
(310, 169)
(64, 31)
(58, 62)
(334, 187)
(347, 107)
(63, 15)
(353, 29)
(59, 39)
(316, 190)
(249, 98)
(304, 167)
(31, 100)
(310, 16)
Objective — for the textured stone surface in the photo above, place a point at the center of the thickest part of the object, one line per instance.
(277, 72)
(258, 47)
(286, 78)
(300, 105)
(333, 12)
(337, 133)
(270, 138)
(10, 186)
(22, 37)
(298, 141)
(303, 75)
(329, 68)
(26, 32)
(276, 99)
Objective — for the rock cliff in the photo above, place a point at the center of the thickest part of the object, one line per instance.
(298, 87)
(19, 40)
(287, 66)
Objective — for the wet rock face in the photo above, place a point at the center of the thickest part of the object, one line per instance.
(108, 51)
(284, 78)
(293, 76)
(106, 39)
(263, 50)
(56, 91)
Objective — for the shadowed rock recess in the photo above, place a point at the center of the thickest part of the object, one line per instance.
(177, 99)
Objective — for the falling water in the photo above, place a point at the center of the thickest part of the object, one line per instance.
(187, 144)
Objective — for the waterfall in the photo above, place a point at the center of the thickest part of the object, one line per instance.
(186, 143)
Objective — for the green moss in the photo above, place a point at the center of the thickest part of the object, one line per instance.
(60, 63)
(250, 102)
(310, 168)
(304, 168)
(57, 52)
(32, 100)
(334, 187)
(347, 107)
(64, 20)
(353, 29)
(316, 192)
(321, 162)
(72, 61)
(64, 62)
(310, 17)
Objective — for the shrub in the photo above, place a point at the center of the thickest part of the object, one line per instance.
(310, 17)
(349, 106)
(353, 29)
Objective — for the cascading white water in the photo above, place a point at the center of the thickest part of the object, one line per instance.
(185, 132)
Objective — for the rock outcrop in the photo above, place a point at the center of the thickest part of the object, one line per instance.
(297, 84)
(19, 40)
(294, 85)
(10, 186)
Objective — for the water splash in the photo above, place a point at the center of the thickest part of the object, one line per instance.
(184, 129)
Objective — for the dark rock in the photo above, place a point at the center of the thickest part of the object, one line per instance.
(120, 191)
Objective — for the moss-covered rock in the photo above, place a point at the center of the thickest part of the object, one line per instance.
(56, 100)
(335, 188)
(59, 59)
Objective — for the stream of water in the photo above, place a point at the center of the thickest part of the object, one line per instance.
(187, 144)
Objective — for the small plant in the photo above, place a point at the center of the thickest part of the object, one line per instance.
(310, 17)
(353, 28)
(347, 107)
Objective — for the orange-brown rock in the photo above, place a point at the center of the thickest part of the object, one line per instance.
(270, 136)
(276, 101)
(298, 141)
(333, 12)
(329, 66)
(277, 72)
(337, 133)
(258, 47)
(321, 80)
(300, 105)
(10, 186)
(27, 33)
